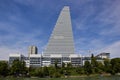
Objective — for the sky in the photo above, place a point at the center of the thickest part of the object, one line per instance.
(95, 23)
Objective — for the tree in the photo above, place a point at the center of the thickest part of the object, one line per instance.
(100, 67)
(94, 64)
(56, 75)
(38, 72)
(87, 67)
(69, 65)
(3, 68)
(107, 65)
(80, 70)
(63, 64)
(45, 71)
(115, 65)
(56, 64)
(18, 68)
(52, 70)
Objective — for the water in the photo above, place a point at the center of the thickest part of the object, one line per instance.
(78, 78)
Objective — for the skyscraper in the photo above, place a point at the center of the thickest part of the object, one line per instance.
(61, 40)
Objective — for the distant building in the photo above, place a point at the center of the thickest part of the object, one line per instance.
(35, 60)
(32, 50)
(85, 58)
(39, 60)
(100, 57)
(103, 55)
(16, 56)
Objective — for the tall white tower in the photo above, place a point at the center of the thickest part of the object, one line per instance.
(61, 40)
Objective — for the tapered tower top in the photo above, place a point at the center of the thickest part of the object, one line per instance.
(61, 40)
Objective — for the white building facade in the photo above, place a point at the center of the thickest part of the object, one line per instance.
(38, 60)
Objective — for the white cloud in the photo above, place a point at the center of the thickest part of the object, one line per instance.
(81, 20)
(19, 47)
(110, 19)
(84, 45)
(14, 41)
(107, 28)
(5, 51)
(114, 49)
(96, 46)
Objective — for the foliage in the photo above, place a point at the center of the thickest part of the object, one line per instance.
(115, 65)
(18, 68)
(80, 70)
(94, 67)
(100, 67)
(3, 68)
(87, 68)
(107, 65)
(56, 64)
(94, 64)
(63, 65)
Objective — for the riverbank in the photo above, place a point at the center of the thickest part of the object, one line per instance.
(68, 78)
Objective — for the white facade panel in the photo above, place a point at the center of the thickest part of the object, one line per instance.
(61, 40)
(35, 55)
(15, 55)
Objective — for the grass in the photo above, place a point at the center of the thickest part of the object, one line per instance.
(73, 78)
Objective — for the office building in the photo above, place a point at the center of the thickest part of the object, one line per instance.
(15, 56)
(61, 40)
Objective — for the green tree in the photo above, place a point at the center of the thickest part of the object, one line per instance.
(63, 64)
(94, 64)
(87, 68)
(45, 71)
(107, 65)
(3, 68)
(69, 65)
(18, 68)
(56, 75)
(38, 72)
(115, 65)
(80, 70)
(56, 64)
(52, 70)
(100, 67)
(33, 71)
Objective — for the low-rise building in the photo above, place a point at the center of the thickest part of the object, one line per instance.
(16, 56)
(39, 60)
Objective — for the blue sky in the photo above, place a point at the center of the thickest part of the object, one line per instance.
(96, 25)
